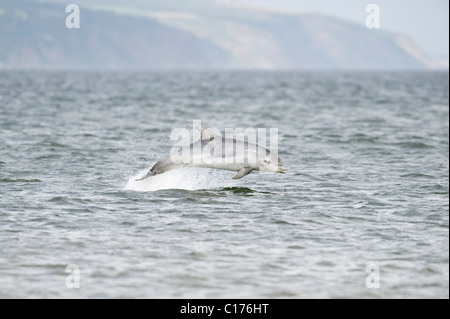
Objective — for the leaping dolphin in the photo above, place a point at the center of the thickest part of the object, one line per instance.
(213, 151)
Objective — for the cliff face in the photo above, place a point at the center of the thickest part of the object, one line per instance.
(148, 36)
(34, 35)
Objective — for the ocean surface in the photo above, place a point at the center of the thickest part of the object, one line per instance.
(363, 211)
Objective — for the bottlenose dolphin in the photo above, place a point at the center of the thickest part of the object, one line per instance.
(213, 151)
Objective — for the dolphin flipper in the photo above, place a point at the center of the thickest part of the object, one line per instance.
(242, 172)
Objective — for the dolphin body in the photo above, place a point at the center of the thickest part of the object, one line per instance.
(213, 151)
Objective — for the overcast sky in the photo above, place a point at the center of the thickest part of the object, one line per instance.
(425, 21)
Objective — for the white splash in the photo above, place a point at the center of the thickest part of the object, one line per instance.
(189, 178)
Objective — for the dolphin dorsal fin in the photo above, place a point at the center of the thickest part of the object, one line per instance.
(206, 134)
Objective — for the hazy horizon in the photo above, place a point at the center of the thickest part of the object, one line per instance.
(222, 35)
(426, 22)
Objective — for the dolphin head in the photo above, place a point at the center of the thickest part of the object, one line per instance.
(272, 163)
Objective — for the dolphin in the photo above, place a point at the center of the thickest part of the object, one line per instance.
(213, 151)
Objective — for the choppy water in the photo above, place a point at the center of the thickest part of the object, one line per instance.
(367, 183)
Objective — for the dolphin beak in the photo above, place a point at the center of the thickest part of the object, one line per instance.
(282, 170)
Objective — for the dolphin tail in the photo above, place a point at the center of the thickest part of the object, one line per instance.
(150, 173)
(160, 167)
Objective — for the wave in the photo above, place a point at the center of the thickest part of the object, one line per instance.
(19, 180)
(188, 178)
